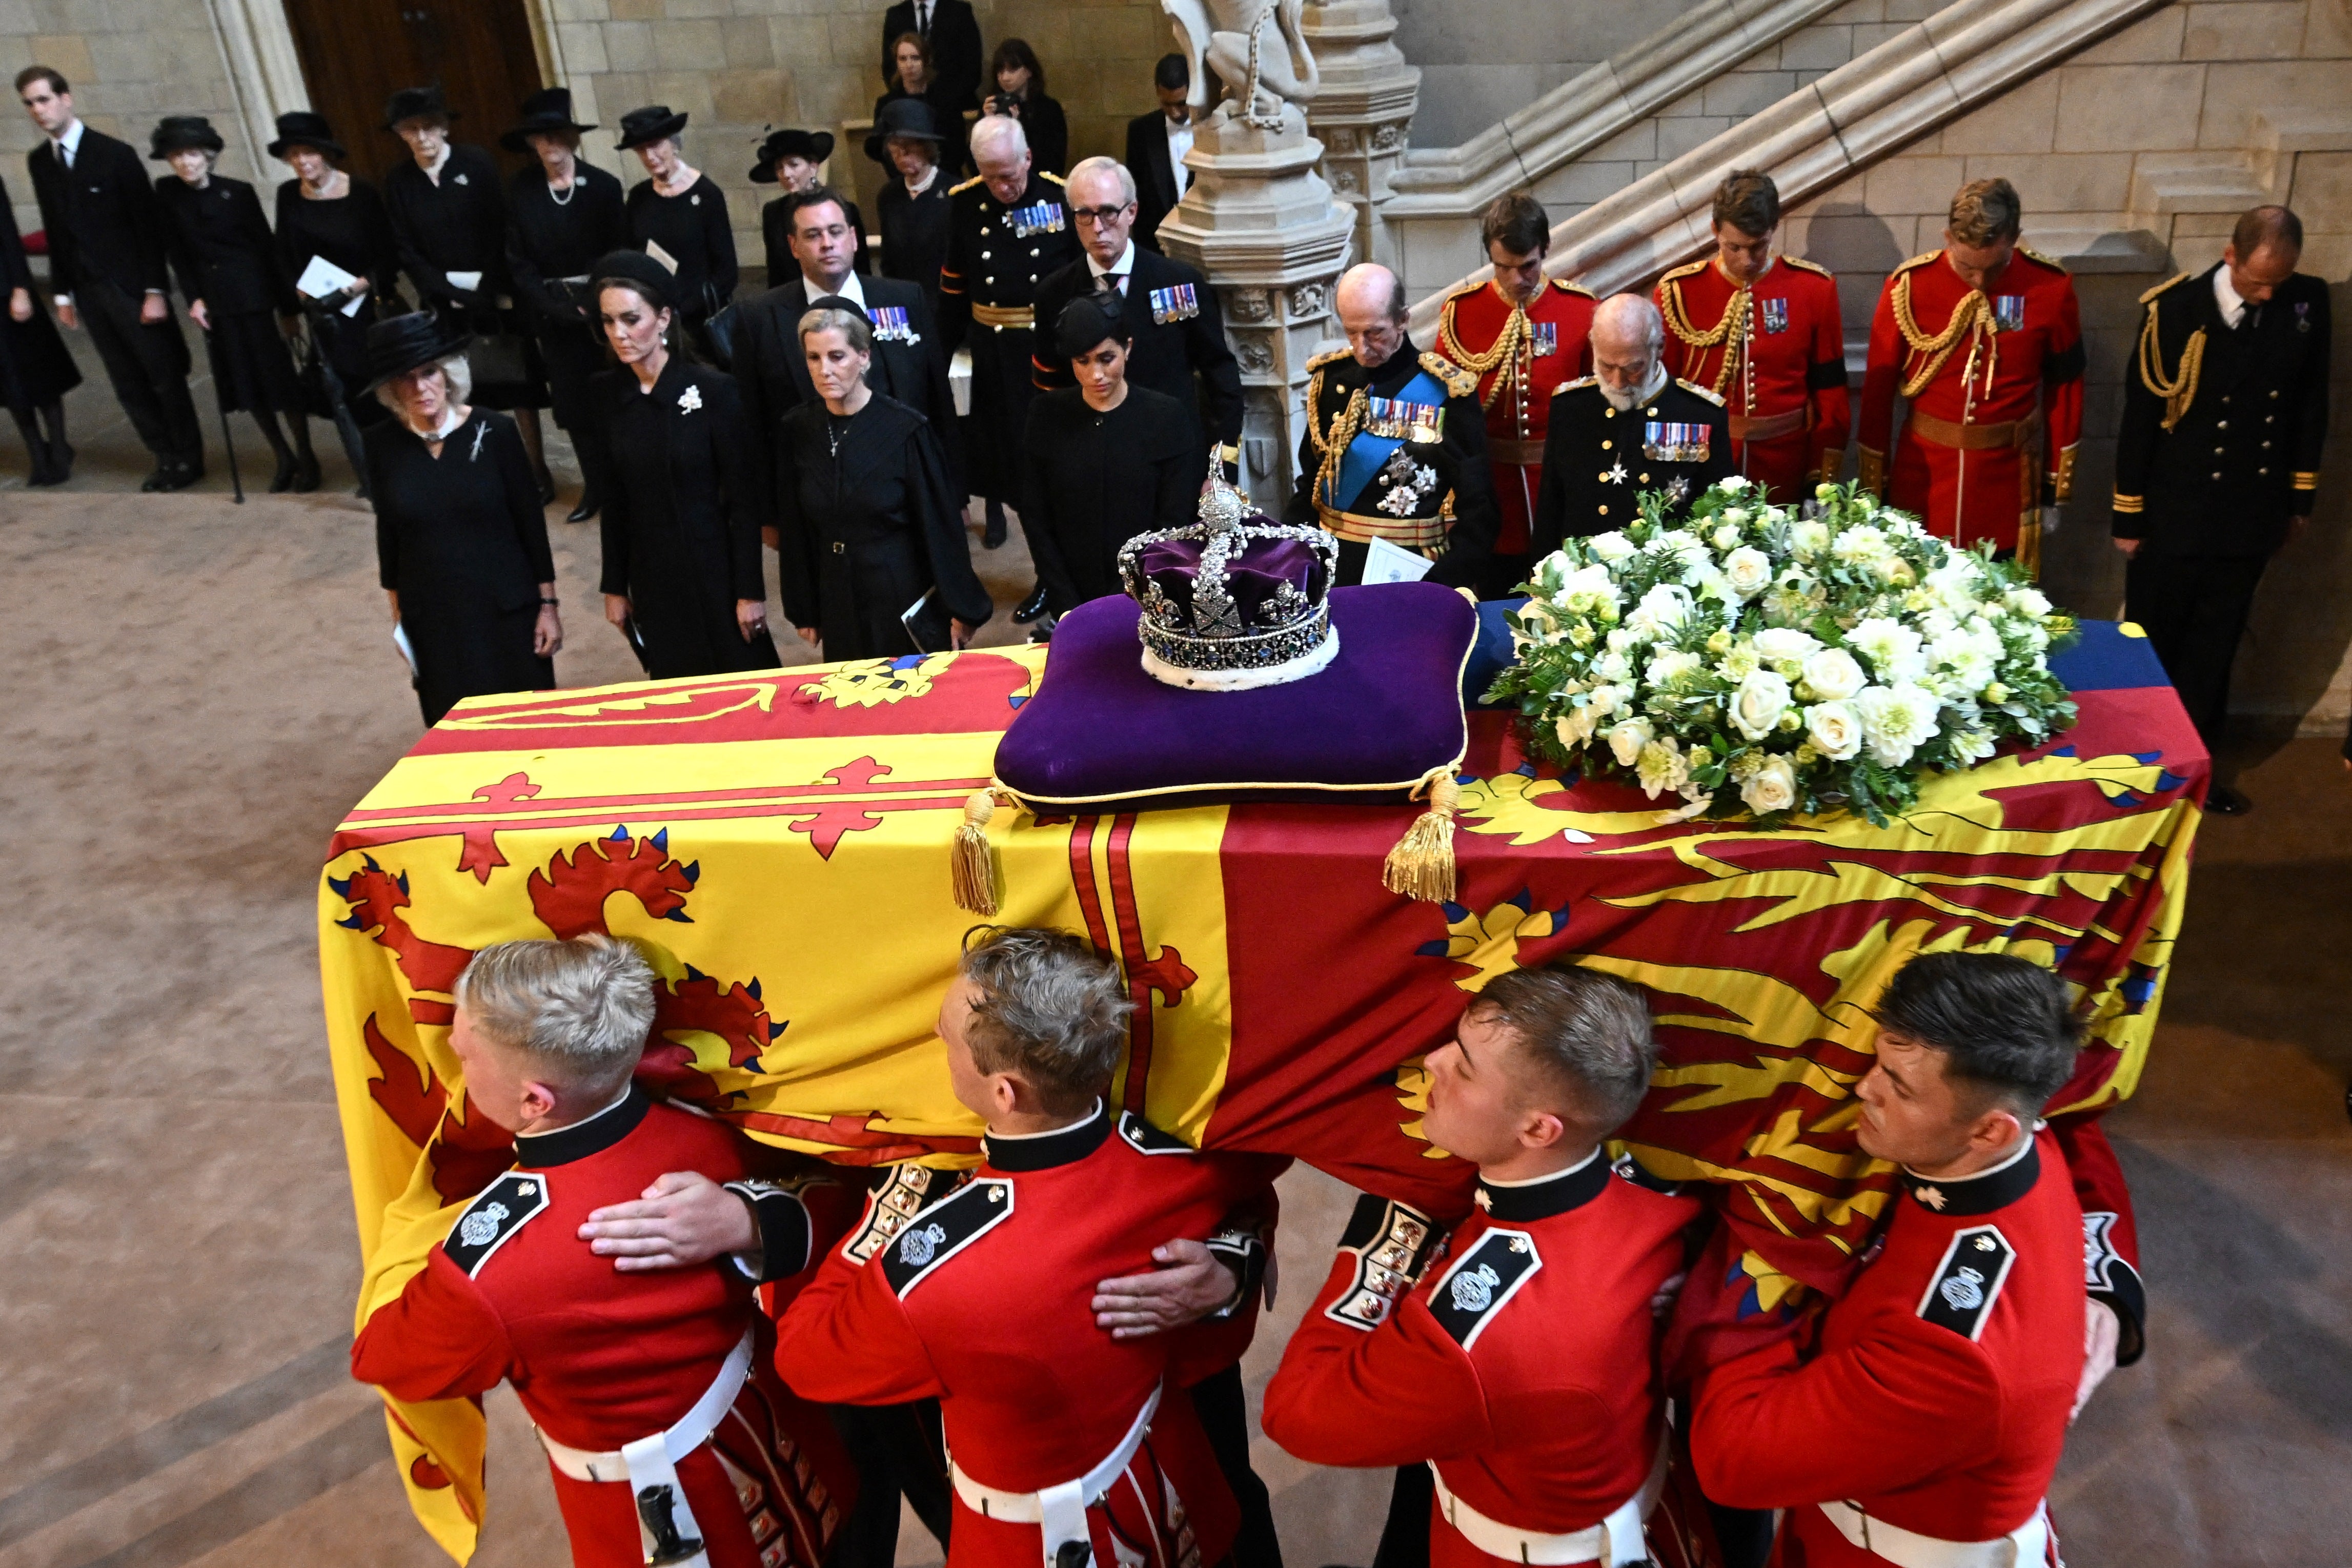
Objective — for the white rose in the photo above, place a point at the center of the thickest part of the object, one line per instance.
(1670, 664)
(1575, 726)
(1771, 787)
(1892, 648)
(1613, 666)
(1895, 721)
(1759, 703)
(1725, 537)
(1834, 729)
(1778, 643)
(1661, 766)
(2029, 602)
(1628, 739)
(1747, 571)
(1833, 675)
(1733, 482)
(1611, 547)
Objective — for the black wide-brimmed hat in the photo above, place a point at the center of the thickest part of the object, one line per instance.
(816, 146)
(400, 343)
(652, 279)
(179, 131)
(652, 123)
(547, 109)
(902, 116)
(304, 129)
(417, 103)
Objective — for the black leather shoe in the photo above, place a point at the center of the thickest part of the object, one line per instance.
(992, 536)
(43, 473)
(283, 480)
(588, 507)
(179, 476)
(2225, 801)
(306, 474)
(61, 456)
(1032, 607)
(159, 480)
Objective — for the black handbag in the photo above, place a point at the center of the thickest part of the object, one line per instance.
(719, 329)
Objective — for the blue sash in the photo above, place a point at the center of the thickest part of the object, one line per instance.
(1366, 454)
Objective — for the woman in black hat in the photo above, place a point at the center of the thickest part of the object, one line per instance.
(682, 575)
(1103, 460)
(683, 211)
(562, 214)
(794, 159)
(449, 215)
(326, 215)
(236, 288)
(1020, 92)
(913, 208)
(460, 537)
(35, 369)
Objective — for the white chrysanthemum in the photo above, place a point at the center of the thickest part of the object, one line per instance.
(1832, 675)
(1609, 547)
(1627, 739)
(1672, 664)
(1758, 704)
(1808, 537)
(1969, 654)
(1661, 766)
(1664, 608)
(1862, 545)
(1955, 583)
(1834, 729)
(1771, 787)
(1891, 647)
(1587, 588)
(1970, 746)
(1895, 721)
(1738, 663)
(1747, 571)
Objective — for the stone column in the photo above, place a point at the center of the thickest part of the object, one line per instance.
(1363, 112)
(1262, 225)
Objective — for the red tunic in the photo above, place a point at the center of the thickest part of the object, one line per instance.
(1966, 461)
(1550, 347)
(601, 1358)
(1938, 1399)
(1779, 363)
(981, 1300)
(1525, 1368)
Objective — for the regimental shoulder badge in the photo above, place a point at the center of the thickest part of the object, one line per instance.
(1147, 1139)
(1392, 1245)
(1975, 1267)
(1461, 291)
(1327, 357)
(1715, 398)
(1687, 269)
(945, 1228)
(2173, 282)
(1467, 1296)
(968, 184)
(2099, 1254)
(1579, 383)
(1922, 259)
(908, 1190)
(1459, 382)
(1801, 265)
(503, 1208)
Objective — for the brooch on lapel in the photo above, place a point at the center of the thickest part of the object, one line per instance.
(695, 200)
(689, 400)
(456, 179)
(1408, 482)
(2302, 316)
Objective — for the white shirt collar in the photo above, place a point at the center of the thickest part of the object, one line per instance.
(918, 187)
(1179, 141)
(2232, 304)
(1123, 266)
(69, 143)
(1547, 1176)
(2018, 1150)
(850, 290)
(997, 1137)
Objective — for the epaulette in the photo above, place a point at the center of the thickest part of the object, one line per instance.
(1969, 1281)
(1392, 1245)
(501, 1209)
(908, 1190)
(1715, 398)
(1627, 1168)
(1922, 259)
(1801, 265)
(1459, 382)
(944, 1229)
(1049, 174)
(968, 184)
(1469, 1294)
(1565, 286)
(1686, 269)
(1460, 289)
(1574, 385)
(1146, 1139)
(1327, 357)
(2150, 297)
(2057, 266)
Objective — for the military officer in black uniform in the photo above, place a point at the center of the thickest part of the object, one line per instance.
(2225, 410)
(1395, 446)
(1010, 228)
(1626, 429)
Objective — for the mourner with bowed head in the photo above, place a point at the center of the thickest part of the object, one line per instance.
(237, 288)
(682, 210)
(1021, 94)
(328, 214)
(35, 370)
(867, 523)
(461, 540)
(913, 207)
(794, 162)
(682, 573)
(562, 214)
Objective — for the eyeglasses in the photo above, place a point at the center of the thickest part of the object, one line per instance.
(1101, 214)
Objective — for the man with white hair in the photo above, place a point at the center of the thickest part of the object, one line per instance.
(1008, 228)
(1627, 429)
(1395, 447)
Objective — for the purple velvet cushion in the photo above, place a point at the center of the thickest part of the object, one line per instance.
(1100, 733)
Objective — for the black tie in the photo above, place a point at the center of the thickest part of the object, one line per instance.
(923, 18)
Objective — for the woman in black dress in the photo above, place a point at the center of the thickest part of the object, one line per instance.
(459, 534)
(561, 216)
(1103, 460)
(683, 578)
(868, 522)
(326, 214)
(236, 290)
(914, 80)
(794, 161)
(683, 211)
(1020, 93)
(913, 208)
(35, 371)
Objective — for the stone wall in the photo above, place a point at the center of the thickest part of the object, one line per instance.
(1480, 62)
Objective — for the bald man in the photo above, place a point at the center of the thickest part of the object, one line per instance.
(1627, 429)
(1395, 448)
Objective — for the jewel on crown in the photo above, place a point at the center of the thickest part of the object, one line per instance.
(1236, 601)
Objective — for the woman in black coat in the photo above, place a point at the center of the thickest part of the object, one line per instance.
(868, 522)
(1103, 460)
(326, 215)
(913, 208)
(236, 288)
(1020, 93)
(683, 579)
(916, 80)
(683, 211)
(460, 537)
(794, 159)
(35, 370)
(561, 216)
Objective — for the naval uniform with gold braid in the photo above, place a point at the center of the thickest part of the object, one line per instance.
(1598, 459)
(1774, 351)
(1397, 452)
(1521, 354)
(997, 252)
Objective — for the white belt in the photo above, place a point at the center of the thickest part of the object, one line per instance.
(1615, 1540)
(1060, 1508)
(2027, 1546)
(665, 1525)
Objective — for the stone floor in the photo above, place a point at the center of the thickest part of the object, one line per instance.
(190, 695)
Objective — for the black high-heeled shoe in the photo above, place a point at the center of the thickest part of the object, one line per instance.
(590, 504)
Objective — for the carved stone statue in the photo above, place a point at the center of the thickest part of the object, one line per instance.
(1262, 75)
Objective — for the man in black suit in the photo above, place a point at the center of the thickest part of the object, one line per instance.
(2217, 465)
(106, 259)
(1156, 145)
(953, 32)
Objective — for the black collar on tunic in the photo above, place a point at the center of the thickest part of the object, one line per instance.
(1043, 1151)
(1982, 1193)
(1401, 367)
(537, 1151)
(1541, 1199)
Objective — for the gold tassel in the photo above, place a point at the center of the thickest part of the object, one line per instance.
(970, 869)
(1421, 865)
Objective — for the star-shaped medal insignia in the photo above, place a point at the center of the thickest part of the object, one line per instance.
(1932, 1196)
(1679, 489)
(1616, 475)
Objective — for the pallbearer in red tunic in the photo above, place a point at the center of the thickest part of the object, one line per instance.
(1762, 331)
(1924, 1429)
(1525, 336)
(1522, 1370)
(668, 1441)
(1067, 1444)
(1984, 337)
